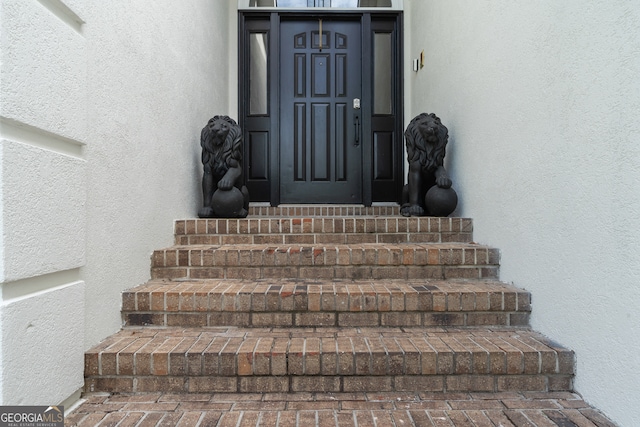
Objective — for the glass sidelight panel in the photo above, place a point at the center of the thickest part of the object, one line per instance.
(258, 76)
(382, 74)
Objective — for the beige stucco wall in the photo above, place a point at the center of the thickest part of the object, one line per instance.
(101, 109)
(542, 102)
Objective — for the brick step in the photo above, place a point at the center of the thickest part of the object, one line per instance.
(314, 230)
(312, 303)
(323, 210)
(359, 261)
(228, 359)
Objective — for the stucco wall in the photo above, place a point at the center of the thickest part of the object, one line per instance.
(101, 108)
(158, 72)
(542, 101)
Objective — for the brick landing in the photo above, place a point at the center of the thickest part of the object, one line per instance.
(509, 409)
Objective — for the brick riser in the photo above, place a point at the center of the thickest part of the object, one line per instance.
(332, 230)
(318, 239)
(327, 360)
(282, 303)
(362, 261)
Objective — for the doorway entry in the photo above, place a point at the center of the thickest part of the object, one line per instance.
(320, 107)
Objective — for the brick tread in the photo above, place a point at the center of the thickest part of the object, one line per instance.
(327, 359)
(532, 409)
(325, 303)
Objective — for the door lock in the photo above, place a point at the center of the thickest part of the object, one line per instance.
(356, 103)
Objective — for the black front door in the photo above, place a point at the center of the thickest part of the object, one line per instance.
(320, 92)
(302, 77)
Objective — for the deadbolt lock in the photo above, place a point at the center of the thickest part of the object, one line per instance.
(356, 103)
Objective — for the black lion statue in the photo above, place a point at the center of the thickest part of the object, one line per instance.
(426, 139)
(223, 190)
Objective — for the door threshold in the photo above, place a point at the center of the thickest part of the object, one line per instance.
(289, 205)
(320, 205)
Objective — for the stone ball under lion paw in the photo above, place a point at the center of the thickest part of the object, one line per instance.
(440, 201)
(228, 203)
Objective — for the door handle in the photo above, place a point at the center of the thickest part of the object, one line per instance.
(356, 123)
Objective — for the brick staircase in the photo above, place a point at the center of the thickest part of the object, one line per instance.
(326, 299)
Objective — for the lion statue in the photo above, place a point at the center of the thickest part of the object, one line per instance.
(426, 140)
(223, 190)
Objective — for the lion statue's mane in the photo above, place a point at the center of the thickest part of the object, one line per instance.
(218, 156)
(427, 139)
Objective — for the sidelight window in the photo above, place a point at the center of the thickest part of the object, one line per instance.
(382, 73)
(258, 77)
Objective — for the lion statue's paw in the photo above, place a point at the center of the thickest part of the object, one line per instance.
(412, 210)
(206, 212)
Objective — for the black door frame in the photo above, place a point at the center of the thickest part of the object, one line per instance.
(264, 181)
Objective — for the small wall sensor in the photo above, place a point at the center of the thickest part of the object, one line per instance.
(415, 65)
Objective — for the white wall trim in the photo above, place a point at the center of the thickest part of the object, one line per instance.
(27, 288)
(66, 15)
(13, 130)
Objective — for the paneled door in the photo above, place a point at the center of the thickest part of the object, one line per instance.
(320, 89)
